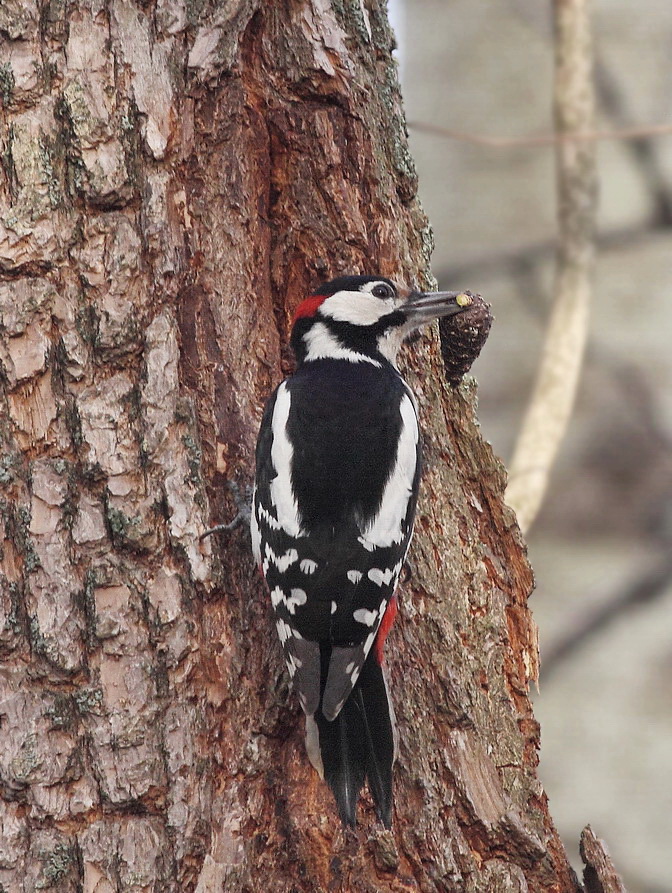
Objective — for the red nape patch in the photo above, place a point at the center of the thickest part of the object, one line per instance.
(384, 628)
(308, 307)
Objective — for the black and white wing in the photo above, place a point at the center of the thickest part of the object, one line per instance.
(276, 532)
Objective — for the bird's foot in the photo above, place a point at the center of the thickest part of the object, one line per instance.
(243, 502)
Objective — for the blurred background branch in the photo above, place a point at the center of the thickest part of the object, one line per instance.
(601, 542)
(553, 398)
(652, 583)
(541, 140)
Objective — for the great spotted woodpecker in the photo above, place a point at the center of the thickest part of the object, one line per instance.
(337, 474)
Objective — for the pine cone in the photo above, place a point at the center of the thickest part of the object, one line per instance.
(463, 336)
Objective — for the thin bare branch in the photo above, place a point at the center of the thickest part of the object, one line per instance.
(553, 398)
(652, 584)
(511, 261)
(613, 100)
(542, 140)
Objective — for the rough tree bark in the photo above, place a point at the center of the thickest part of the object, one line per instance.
(175, 176)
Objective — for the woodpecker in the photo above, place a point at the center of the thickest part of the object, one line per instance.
(337, 472)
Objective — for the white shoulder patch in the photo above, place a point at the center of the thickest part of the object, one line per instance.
(385, 528)
(282, 453)
(255, 531)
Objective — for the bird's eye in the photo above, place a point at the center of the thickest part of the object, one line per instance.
(383, 291)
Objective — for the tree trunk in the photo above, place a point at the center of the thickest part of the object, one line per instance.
(177, 175)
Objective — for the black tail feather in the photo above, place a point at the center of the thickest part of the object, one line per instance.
(344, 758)
(359, 745)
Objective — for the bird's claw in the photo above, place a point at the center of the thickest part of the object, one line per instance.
(244, 506)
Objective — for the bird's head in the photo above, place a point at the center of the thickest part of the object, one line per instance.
(365, 318)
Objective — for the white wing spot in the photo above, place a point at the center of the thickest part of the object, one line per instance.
(381, 577)
(296, 597)
(277, 596)
(350, 667)
(333, 607)
(268, 518)
(282, 562)
(284, 630)
(367, 545)
(354, 576)
(308, 566)
(368, 618)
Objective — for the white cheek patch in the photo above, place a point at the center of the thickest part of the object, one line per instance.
(357, 307)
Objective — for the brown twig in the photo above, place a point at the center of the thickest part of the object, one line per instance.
(553, 398)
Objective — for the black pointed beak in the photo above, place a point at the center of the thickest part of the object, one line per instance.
(423, 307)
